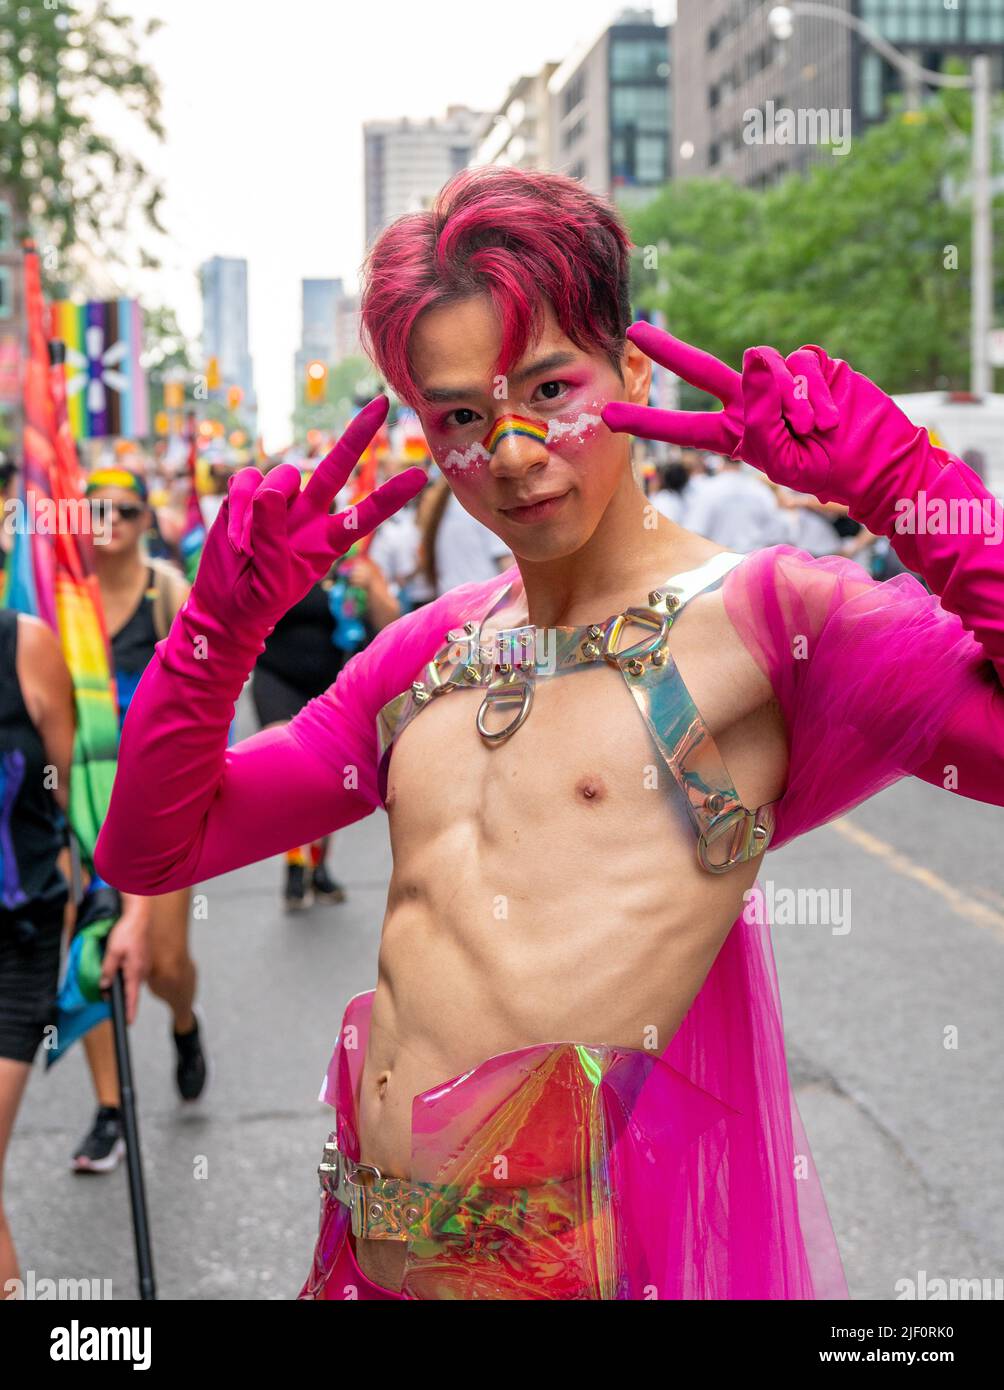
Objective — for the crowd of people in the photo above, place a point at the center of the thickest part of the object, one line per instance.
(737, 506)
(140, 500)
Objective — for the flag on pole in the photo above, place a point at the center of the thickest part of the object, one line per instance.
(106, 387)
(63, 591)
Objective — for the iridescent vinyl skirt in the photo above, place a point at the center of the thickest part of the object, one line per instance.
(595, 1172)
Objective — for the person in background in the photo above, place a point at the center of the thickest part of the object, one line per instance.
(37, 724)
(300, 661)
(397, 548)
(671, 497)
(736, 509)
(140, 597)
(456, 548)
(810, 524)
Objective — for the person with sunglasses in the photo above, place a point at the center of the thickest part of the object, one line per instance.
(140, 597)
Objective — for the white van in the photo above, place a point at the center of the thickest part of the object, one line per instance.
(961, 424)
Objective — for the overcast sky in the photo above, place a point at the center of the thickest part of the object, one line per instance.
(264, 104)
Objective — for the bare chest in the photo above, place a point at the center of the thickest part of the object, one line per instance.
(585, 750)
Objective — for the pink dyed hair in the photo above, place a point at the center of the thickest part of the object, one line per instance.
(524, 239)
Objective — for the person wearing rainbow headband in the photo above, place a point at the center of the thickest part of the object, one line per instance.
(140, 598)
(570, 1081)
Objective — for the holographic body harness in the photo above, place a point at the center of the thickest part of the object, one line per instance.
(507, 669)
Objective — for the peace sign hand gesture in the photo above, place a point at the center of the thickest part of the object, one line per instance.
(807, 421)
(272, 542)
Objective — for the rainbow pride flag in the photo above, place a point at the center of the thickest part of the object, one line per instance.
(106, 387)
(52, 576)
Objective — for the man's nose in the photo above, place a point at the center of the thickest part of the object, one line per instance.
(517, 445)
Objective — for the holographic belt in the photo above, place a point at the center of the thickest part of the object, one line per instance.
(399, 1209)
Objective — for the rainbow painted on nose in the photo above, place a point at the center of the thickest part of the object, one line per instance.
(513, 424)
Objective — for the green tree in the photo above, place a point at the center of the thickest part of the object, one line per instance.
(69, 180)
(166, 351)
(868, 255)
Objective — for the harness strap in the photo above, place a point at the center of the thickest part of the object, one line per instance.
(727, 832)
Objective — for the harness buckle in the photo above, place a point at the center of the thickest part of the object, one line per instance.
(513, 690)
(657, 623)
(750, 836)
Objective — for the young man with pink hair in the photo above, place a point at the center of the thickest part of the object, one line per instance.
(570, 1081)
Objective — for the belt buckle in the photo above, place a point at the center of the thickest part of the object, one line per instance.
(329, 1168)
(353, 1177)
(337, 1170)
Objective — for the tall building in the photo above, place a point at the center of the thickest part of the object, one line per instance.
(611, 109)
(518, 134)
(330, 326)
(319, 306)
(752, 107)
(224, 282)
(406, 162)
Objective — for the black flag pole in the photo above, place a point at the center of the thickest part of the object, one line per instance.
(134, 1158)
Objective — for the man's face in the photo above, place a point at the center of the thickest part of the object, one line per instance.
(527, 454)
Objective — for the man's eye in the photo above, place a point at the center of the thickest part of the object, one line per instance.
(552, 390)
(461, 417)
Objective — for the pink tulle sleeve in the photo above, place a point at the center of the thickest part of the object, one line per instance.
(875, 681)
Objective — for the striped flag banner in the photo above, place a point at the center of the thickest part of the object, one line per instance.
(106, 387)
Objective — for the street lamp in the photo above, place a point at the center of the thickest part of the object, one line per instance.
(782, 23)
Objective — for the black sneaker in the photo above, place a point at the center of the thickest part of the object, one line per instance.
(104, 1147)
(192, 1069)
(298, 894)
(326, 890)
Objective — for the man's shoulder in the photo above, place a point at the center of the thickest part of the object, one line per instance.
(410, 641)
(463, 603)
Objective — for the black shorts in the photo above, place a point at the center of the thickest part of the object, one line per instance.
(29, 980)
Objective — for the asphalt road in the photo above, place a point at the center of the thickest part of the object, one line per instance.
(907, 1133)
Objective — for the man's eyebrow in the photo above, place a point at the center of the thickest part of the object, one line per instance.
(550, 363)
(438, 395)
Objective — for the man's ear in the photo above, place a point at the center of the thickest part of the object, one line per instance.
(636, 370)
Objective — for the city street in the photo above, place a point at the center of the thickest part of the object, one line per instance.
(907, 1134)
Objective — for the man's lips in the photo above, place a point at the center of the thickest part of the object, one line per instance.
(534, 507)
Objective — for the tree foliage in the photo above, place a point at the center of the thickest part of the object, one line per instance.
(68, 177)
(867, 255)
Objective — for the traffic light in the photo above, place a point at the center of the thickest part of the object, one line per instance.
(317, 383)
(234, 397)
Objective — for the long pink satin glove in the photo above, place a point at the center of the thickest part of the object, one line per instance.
(269, 545)
(813, 424)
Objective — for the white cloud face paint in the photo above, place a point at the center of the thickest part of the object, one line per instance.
(576, 431)
(474, 457)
